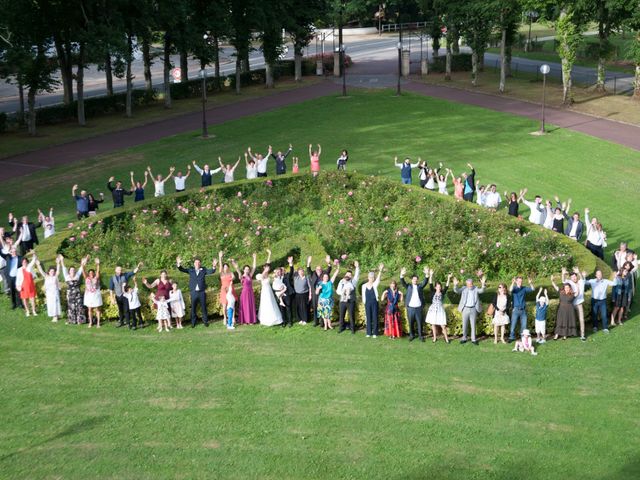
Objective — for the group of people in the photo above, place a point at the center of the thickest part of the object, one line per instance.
(307, 295)
(551, 215)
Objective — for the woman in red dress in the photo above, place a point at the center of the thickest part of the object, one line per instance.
(392, 311)
(162, 285)
(26, 286)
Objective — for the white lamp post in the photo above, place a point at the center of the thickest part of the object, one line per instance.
(544, 70)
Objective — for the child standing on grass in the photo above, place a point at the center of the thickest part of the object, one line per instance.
(134, 314)
(162, 315)
(231, 307)
(524, 344)
(295, 168)
(542, 303)
(176, 301)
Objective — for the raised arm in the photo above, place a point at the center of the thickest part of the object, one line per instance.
(236, 164)
(188, 172)
(380, 269)
(73, 190)
(171, 170)
(133, 183)
(198, 169)
(220, 162)
(146, 179)
(395, 162)
(335, 274)
(268, 255)
(253, 266)
(553, 284)
(150, 172)
(310, 149)
(319, 150)
(255, 159)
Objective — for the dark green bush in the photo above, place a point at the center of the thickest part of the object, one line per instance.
(459, 63)
(3, 122)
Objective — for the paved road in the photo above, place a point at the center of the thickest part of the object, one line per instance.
(359, 48)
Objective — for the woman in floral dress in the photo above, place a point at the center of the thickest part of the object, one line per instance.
(76, 312)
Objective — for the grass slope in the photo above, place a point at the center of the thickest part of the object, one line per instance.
(300, 403)
(375, 127)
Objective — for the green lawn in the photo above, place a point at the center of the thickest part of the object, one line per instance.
(301, 403)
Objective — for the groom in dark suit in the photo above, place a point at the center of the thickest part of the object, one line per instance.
(414, 300)
(198, 287)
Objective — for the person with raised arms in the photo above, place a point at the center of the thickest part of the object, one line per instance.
(577, 282)
(599, 287)
(346, 290)
(76, 311)
(324, 291)
(206, 174)
(82, 202)
(405, 169)
(414, 301)
(197, 287)
(469, 184)
(92, 293)
(247, 304)
(538, 211)
(137, 187)
(470, 305)
(370, 301)
(117, 192)
(514, 202)
(48, 223)
(302, 289)
(25, 283)
(315, 277)
(566, 316)
(228, 170)
(159, 182)
(280, 159)
(52, 289)
(261, 161)
(393, 296)
(180, 180)
(116, 291)
(519, 312)
(436, 315)
(596, 237)
(314, 160)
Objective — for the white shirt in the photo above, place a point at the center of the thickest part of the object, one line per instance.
(252, 172)
(159, 188)
(133, 298)
(277, 284)
(482, 199)
(197, 270)
(578, 291)
(415, 298)
(574, 230)
(492, 199)
(594, 236)
(537, 212)
(26, 234)
(231, 299)
(48, 231)
(262, 164)
(3, 264)
(180, 182)
(228, 176)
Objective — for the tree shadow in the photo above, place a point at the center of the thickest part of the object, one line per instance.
(73, 429)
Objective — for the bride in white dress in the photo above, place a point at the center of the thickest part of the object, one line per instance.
(268, 312)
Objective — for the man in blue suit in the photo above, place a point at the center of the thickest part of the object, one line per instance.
(414, 301)
(198, 287)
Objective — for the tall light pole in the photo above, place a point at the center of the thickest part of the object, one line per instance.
(398, 91)
(544, 70)
(203, 74)
(344, 70)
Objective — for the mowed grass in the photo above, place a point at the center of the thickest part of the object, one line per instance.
(375, 126)
(302, 403)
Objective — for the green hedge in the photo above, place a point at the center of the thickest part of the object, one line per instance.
(459, 63)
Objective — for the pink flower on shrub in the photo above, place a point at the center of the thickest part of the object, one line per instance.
(341, 221)
(99, 222)
(343, 256)
(83, 233)
(498, 244)
(257, 232)
(154, 211)
(350, 219)
(265, 203)
(239, 194)
(245, 203)
(386, 219)
(418, 258)
(70, 225)
(350, 193)
(336, 262)
(72, 239)
(405, 230)
(461, 271)
(218, 208)
(96, 247)
(144, 210)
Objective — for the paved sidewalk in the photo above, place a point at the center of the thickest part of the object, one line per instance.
(30, 162)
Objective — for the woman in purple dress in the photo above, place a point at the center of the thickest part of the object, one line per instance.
(247, 303)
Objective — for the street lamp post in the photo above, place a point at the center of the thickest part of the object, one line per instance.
(203, 74)
(398, 91)
(544, 69)
(343, 63)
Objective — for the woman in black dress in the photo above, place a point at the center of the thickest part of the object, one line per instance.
(76, 312)
(514, 202)
(566, 318)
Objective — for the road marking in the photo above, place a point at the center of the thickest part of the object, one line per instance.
(6, 162)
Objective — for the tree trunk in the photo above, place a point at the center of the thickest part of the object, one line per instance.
(602, 42)
(435, 46)
(507, 61)
(600, 83)
(297, 63)
(64, 60)
(146, 58)
(474, 67)
(447, 68)
(82, 121)
(216, 59)
(167, 71)
(31, 99)
(128, 107)
(455, 40)
(268, 75)
(21, 117)
(567, 97)
(503, 60)
(238, 76)
(246, 67)
(636, 83)
(108, 74)
(184, 65)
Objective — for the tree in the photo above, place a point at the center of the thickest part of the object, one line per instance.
(242, 19)
(478, 19)
(510, 14)
(299, 23)
(569, 35)
(272, 13)
(634, 50)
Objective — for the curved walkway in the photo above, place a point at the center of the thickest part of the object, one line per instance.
(30, 162)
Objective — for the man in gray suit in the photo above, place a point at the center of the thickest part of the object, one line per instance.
(469, 305)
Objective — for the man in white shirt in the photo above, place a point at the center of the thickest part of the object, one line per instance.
(347, 292)
(538, 211)
(261, 161)
(576, 280)
(414, 300)
(180, 180)
(599, 287)
(492, 198)
(596, 237)
(48, 223)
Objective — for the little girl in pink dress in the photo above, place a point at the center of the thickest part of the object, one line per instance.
(525, 344)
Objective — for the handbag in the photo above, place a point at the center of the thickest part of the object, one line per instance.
(491, 310)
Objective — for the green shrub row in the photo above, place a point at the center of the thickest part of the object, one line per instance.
(459, 63)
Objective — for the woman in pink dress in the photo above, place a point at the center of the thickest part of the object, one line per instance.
(314, 157)
(247, 307)
(458, 185)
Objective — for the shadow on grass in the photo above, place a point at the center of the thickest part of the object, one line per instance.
(73, 429)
